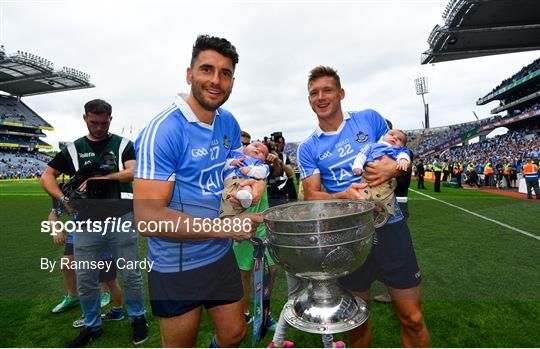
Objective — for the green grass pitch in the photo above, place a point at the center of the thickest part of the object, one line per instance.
(481, 281)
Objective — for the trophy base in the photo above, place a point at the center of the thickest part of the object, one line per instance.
(324, 320)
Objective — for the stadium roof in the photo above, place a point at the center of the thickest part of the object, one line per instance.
(24, 74)
(474, 28)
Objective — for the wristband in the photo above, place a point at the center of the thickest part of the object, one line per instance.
(63, 200)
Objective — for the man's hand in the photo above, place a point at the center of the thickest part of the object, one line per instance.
(354, 192)
(59, 239)
(257, 190)
(248, 223)
(381, 171)
(82, 187)
(271, 157)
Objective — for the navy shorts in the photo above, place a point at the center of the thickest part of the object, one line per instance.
(218, 283)
(392, 261)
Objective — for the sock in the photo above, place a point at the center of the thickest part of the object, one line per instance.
(117, 310)
(281, 330)
(245, 198)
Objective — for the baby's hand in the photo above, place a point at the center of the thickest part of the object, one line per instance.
(357, 171)
(238, 162)
(402, 164)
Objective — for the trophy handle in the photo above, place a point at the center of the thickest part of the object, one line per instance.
(381, 217)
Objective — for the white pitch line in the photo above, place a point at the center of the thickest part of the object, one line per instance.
(480, 216)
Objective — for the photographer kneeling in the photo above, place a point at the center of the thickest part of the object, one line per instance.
(101, 167)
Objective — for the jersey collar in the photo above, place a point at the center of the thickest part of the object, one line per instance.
(319, 132)
(180, 102)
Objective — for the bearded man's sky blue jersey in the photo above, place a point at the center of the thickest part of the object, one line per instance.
(331, 154)
(177, 147)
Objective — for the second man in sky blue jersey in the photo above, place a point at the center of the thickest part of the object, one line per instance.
(326, 159)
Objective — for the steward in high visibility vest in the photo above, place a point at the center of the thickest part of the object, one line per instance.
(488, 169)
(506, 169)
(436, 165)
(458, 167)
(530, 172)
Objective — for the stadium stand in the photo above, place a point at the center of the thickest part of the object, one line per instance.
(22, 164)
(520, 143)
(474, 28)
(15, 113)
(518, 95)
(21, 128)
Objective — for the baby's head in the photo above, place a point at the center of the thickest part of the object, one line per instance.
(256, 150)
(396, 138)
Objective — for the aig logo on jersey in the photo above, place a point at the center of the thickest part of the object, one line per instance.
(342, 171)
(211, 179)
(361, 137)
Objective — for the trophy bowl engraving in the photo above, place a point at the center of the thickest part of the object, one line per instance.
(321, 241)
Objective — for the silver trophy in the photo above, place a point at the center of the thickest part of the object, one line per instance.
(322, 241)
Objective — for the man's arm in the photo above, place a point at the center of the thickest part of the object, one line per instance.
(151, 198)
(49, 183)
(288, 170)
(274, 160)
(126, 175)
(312, 190)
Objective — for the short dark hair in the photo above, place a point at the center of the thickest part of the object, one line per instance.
(322, 70)
(220, 45)
(98, 107)
(245, 134)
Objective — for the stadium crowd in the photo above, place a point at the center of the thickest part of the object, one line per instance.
(435, 137)
(430, 139)
(22, 164)
(531, 68)
(492, 160)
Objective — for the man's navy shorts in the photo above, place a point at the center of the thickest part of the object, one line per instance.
(391, 261)
(218, 283)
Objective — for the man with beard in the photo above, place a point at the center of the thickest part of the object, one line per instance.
(95, 148)
(178, 178)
